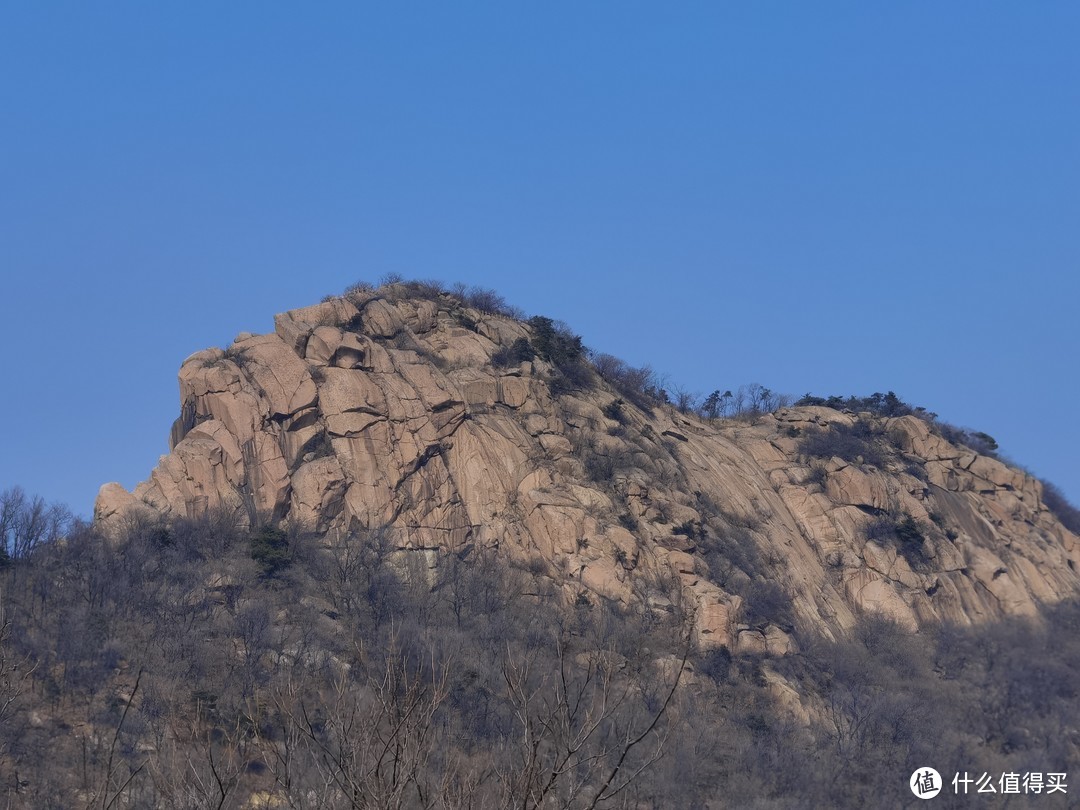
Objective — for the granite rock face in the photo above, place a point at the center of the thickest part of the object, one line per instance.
(382, 409)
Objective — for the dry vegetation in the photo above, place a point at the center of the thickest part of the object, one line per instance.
(195, 664)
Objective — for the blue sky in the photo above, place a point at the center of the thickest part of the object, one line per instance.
(827, 197)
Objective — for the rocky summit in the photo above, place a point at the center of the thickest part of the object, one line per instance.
(457, 426)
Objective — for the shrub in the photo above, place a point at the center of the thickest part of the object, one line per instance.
(818, 476)
(852, 443)
(359, 293)
(569, 379)
(238, 356)
(691, 528)
(431, 289)
(426, 289)
(1054, 500)
(360, 288)
(600, 469)
(638, 385)
(520, 351)
(767, 603)
(555, 342)
(160, 537)
(986, 440)
(716, 664)
(904, 534)
(465, 321)
(731, 554)
(209, 535)
(270, 549)
(487, 301)
(980, 442)
(614, 411)
(916, 470)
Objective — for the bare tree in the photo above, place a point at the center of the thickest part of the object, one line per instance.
(285, 752)
(201, 766)
(685, 401)
(15, 676)
(117, 774)
(371, 736)
(579, 730)
(27, 522)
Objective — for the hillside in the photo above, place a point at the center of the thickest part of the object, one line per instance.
(414, 550)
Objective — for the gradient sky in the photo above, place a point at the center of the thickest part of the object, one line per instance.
(827, 197)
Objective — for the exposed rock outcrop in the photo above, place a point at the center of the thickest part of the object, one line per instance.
(383, 410)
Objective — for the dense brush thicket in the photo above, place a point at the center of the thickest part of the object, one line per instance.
(199, 665)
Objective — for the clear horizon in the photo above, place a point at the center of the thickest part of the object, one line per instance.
(835, 200)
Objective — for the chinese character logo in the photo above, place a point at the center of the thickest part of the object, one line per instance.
(925, 783)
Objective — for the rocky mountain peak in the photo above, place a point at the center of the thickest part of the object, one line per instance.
(456, 426)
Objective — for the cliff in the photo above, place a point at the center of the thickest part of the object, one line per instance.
(457, 428)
